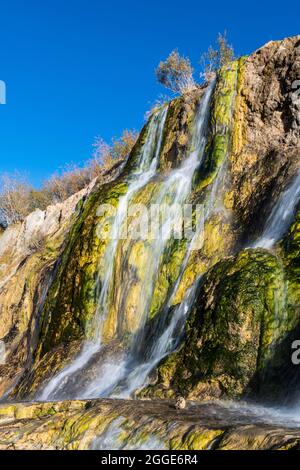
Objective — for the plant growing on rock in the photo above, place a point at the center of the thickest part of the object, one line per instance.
(158, 103)
(176, 73)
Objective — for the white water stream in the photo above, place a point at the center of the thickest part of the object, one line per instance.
(176, 187)
(147, 167)
(281, 216)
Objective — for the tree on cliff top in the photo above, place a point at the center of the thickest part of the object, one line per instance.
(214, 59)
(176, 73)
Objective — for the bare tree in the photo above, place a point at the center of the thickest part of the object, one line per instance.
(176, 73)
(14, 197)
(214, 59)
(18, 198)
(106, 155)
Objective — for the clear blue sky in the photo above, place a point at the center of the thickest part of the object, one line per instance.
(81, 68)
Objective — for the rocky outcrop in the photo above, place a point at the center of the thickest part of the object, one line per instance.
(29, 253)
(240, 313)
(246, 315)
(266, 134)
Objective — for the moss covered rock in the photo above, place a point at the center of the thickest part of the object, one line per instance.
(238, 317)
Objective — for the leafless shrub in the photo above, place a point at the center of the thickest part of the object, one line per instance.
(14, 198)
(106, 155)
(62, 185)
(213, 59)
(176, 73)
(18, 198)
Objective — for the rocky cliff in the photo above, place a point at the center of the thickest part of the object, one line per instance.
(206, 323)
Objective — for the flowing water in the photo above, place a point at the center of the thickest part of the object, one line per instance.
(113, 439)
(277, 224)
(217, 414)
(121, 377)
(122, 374)
(281, 216)
(148, 161)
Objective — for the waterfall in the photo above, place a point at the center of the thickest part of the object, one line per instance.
(176, 186)
(120, 374)
(168, 335)
(146, 169)
(120, 377)
(281, 216)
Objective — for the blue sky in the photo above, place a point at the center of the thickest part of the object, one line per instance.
(81, 68)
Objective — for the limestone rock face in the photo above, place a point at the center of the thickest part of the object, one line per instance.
(240, 312)
(238, 336)
(266, 134)
(29, 252)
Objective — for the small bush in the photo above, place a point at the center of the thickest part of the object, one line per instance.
(62, 185)
(176, 73)
(158, 103)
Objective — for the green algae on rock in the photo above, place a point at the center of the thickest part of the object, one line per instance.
(239, 315)
(120, 424)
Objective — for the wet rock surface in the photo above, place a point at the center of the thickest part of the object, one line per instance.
(120, 424)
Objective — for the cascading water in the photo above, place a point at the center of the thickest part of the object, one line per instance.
(124, 372)
(281, 216)
(122, 377)
(168, 334)
(148, 161)
(175, 187)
